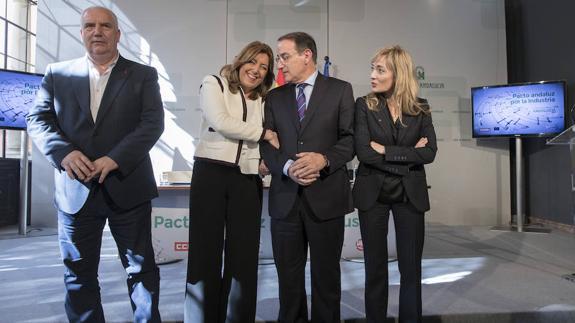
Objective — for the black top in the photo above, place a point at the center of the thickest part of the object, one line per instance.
(392, 188)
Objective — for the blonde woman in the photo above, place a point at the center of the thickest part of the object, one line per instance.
(226, 191)
(394, 138)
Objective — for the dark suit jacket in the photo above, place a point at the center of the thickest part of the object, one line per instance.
(130, 120)
(327, 129)
(401, 158)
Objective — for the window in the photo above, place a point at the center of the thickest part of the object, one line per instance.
(17, 52)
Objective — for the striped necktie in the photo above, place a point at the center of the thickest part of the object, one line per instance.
(301, 105)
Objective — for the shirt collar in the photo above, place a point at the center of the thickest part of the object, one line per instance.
(310, 81)
(110, 65)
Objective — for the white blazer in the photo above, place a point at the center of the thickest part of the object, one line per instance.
(232, 126)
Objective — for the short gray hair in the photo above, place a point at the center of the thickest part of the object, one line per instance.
(114, 17)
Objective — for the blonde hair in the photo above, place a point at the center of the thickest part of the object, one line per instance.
(232, 71)
(405, 86)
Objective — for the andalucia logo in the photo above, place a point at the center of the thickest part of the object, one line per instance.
(420, 76)
(420, 73)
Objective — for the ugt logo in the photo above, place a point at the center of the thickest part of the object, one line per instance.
(359, 245)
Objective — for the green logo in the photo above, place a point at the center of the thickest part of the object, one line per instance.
(420, 73)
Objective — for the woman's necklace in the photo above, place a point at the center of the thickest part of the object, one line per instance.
(393, 110)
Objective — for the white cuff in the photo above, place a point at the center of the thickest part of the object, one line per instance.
(287, 165)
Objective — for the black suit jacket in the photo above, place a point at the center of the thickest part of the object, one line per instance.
(130, 120)
(327, 129)
(401, 158)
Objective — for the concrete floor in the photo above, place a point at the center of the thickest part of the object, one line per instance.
(470, 274)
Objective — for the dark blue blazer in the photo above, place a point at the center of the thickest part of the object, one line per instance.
(129, 122)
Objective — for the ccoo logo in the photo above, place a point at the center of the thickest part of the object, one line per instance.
(181, 246)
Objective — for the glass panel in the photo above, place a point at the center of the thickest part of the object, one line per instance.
(2, 56)
(31, 54)
(16, 43)
(13, 143)
(32, 18)
(265, 20)
(3, 8)
(17, 12)
(2, 36)
(16, 65)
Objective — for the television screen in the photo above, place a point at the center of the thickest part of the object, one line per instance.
(528, 109)
(17, 95)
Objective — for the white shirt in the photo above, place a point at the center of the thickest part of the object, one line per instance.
(310, 81)
(309, 88)
(98, 84)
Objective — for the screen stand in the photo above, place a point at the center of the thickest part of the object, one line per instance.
(3, 143)
(23, 216)
(519, 226)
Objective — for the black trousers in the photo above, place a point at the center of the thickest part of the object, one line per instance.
(290, 240)
(409, 231)
(225, 222)
(80, 238)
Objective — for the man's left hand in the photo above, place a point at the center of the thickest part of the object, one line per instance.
(308, 163)
(104, 165)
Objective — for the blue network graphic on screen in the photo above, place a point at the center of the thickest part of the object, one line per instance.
(529, 109)
(17, 95)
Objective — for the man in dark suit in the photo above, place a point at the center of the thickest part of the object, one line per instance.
(95, 119)
(310, 192)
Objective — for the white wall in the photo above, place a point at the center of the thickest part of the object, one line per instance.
(459, 44)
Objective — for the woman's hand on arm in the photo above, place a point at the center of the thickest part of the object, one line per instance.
(272, 138)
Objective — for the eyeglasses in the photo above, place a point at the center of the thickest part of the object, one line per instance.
(283, 57)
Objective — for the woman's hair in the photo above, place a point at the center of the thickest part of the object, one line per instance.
(232, 71)
(405, 86)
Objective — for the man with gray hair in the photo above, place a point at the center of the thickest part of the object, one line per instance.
(96, 119)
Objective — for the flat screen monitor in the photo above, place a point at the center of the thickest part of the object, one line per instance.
(17, 95)
(535, 109)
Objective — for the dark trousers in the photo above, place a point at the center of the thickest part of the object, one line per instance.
(409, 231)
(225, 221)
(290, 240)
(80, 237)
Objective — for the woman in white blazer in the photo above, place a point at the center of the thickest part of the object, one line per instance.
(226, 190)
